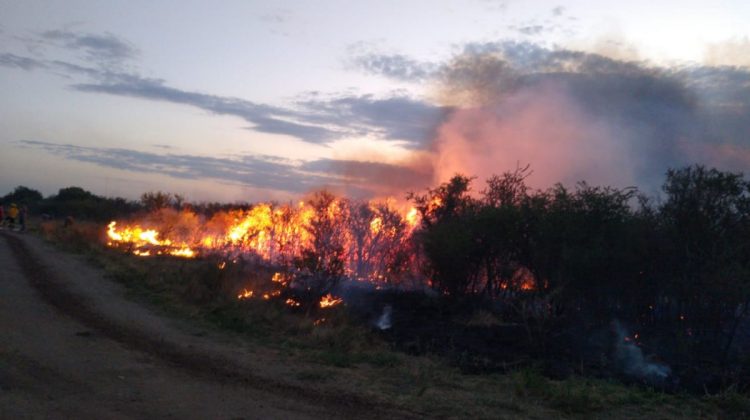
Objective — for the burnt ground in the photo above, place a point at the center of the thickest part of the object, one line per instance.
(423, 324)
(587, 346)
(74, 347)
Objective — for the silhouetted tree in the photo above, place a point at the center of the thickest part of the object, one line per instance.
(23, 196)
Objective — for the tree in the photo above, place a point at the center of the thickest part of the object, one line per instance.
(322, 261)
(448, 236)
(72, 194)
(706, 217)
(155, 200)
(23, 196)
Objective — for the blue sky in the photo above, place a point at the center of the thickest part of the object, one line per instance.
(268, 100)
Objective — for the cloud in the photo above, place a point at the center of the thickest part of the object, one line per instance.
(393, 117)
(20, 62)
(394, 66)
(733, 52)
(265, 118)
(495, 5)
(103, 48)
(531, 29)
(318, 120)
(275, 18)
(357, 178)
(382, 177)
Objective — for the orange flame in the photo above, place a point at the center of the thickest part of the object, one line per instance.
(277, 234)
(245, 294)
(329, 300)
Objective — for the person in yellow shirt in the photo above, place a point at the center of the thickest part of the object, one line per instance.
(12, 214)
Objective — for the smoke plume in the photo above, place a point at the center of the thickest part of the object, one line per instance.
(576, 116)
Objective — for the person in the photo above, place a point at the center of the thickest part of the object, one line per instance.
(22, 217)
(12, 214)
(2, 215)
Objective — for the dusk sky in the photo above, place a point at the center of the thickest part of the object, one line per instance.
(251, 100)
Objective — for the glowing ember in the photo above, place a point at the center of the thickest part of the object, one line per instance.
(292, 302)
(246, 294)
(183, 252)
(329, 300)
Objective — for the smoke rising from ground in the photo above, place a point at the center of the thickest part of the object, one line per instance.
(630, 360)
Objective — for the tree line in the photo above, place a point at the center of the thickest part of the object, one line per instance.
(560, 258)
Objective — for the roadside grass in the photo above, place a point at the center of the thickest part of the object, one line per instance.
(340, 354)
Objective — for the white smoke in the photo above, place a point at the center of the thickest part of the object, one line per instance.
(384, 321)
(630, 359)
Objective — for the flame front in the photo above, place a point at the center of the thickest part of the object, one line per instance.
(361, 241)
(371, 235)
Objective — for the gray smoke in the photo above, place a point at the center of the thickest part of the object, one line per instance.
(384, 321)
(632, 363)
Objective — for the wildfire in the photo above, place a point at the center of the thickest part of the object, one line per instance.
(360, 241)
(369, 235)
(329, 300)
(141, 239)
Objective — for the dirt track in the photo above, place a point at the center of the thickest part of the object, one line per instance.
(74, 347)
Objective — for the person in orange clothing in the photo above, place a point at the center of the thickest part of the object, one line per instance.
(12, 214)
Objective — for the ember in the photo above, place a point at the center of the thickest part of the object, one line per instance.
(292, 302)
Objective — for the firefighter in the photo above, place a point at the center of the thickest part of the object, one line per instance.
(12, 214)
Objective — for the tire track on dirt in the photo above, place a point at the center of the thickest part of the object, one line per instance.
(51, 290)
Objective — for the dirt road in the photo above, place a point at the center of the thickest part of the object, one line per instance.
(73, 347)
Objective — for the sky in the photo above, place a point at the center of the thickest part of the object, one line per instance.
(250, 100)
